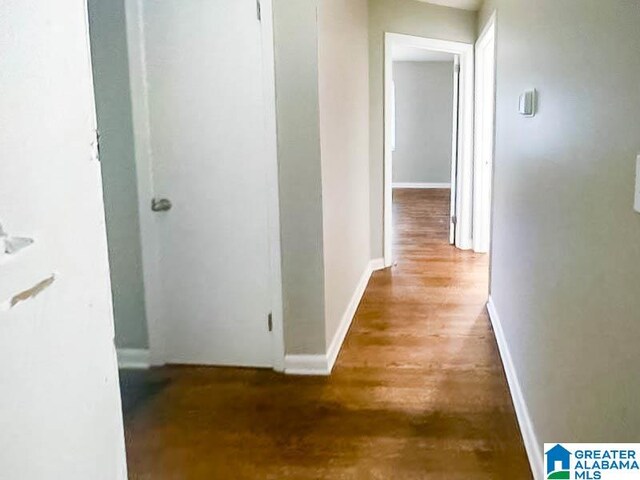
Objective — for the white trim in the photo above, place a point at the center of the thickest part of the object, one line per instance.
(491, 23)
(377, 264)
(144, 166)
(389, 96)
(306, 365)
(455, 124)
(149, 238)
(421, 185)
(484, 139)
(531, 443)
(133, 358)
(271, 150)
(322, 364)
(464, 181)
(347, 317)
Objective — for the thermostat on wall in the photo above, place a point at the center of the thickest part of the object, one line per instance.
(528, 102)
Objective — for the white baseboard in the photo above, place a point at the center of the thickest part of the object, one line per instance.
(531, 443)
(465, 244)
(421, 185)
(322, 364)
(306, 365)
(377, 264)
(132, 358)
(347, 317)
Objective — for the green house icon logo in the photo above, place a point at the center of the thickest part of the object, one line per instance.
(558, 463)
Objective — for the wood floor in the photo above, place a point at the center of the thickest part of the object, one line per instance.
(418, 391)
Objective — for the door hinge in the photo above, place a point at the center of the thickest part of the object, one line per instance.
(97, 145)
(454, 220)
(270, 322)
(259, 10)
(457, 68)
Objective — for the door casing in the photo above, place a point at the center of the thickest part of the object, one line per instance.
(484, 135)
(463, 180)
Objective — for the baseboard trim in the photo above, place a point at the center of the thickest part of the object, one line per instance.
(421, 185)
(306, 365)
(133, 358)
(347, 317)
(322, 364)
(377, 264)
(531, 443)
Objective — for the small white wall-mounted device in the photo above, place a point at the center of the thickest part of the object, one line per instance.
(528, 103)
(636, 203)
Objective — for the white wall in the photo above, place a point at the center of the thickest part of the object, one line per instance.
(59, 404)
(565, 272)
(344, 138)
(321, 55)
(410, 17)
(113, 104)
(297, 105)
(424, 115)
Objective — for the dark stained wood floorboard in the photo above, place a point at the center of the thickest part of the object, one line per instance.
(418, 391)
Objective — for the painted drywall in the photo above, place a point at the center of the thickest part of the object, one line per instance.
(565, 275)
(410, 17)
(301, 224)
(107, 27)
(60, 411)
(343, 62)
(424, 115)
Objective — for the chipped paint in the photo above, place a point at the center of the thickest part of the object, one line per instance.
(11, 245)
(29, 294)
(14, 244)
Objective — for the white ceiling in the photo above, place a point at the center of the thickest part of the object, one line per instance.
(412, 54)
(464, 4)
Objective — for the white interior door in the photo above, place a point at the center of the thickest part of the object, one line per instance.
(455, 141)
(207, 115)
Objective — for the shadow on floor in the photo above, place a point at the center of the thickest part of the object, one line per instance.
(138, 387)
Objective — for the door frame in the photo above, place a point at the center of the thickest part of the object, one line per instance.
(145, 182)
(454, 149)
(484, 140)
(464, 178)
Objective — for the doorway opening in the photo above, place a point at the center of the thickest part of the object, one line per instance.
(431, 142)
(185, 99)
(424, 137)
(460, 58)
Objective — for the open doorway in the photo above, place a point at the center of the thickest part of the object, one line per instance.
(186, 111)
(442, 137)
(459, 139)
(424, 134)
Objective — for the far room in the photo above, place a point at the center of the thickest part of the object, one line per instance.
(425, 118)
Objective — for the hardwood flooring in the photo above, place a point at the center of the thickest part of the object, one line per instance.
(418, 391)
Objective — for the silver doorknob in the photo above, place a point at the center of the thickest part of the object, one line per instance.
(161, 205)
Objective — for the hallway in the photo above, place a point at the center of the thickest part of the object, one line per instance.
(418, 390)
